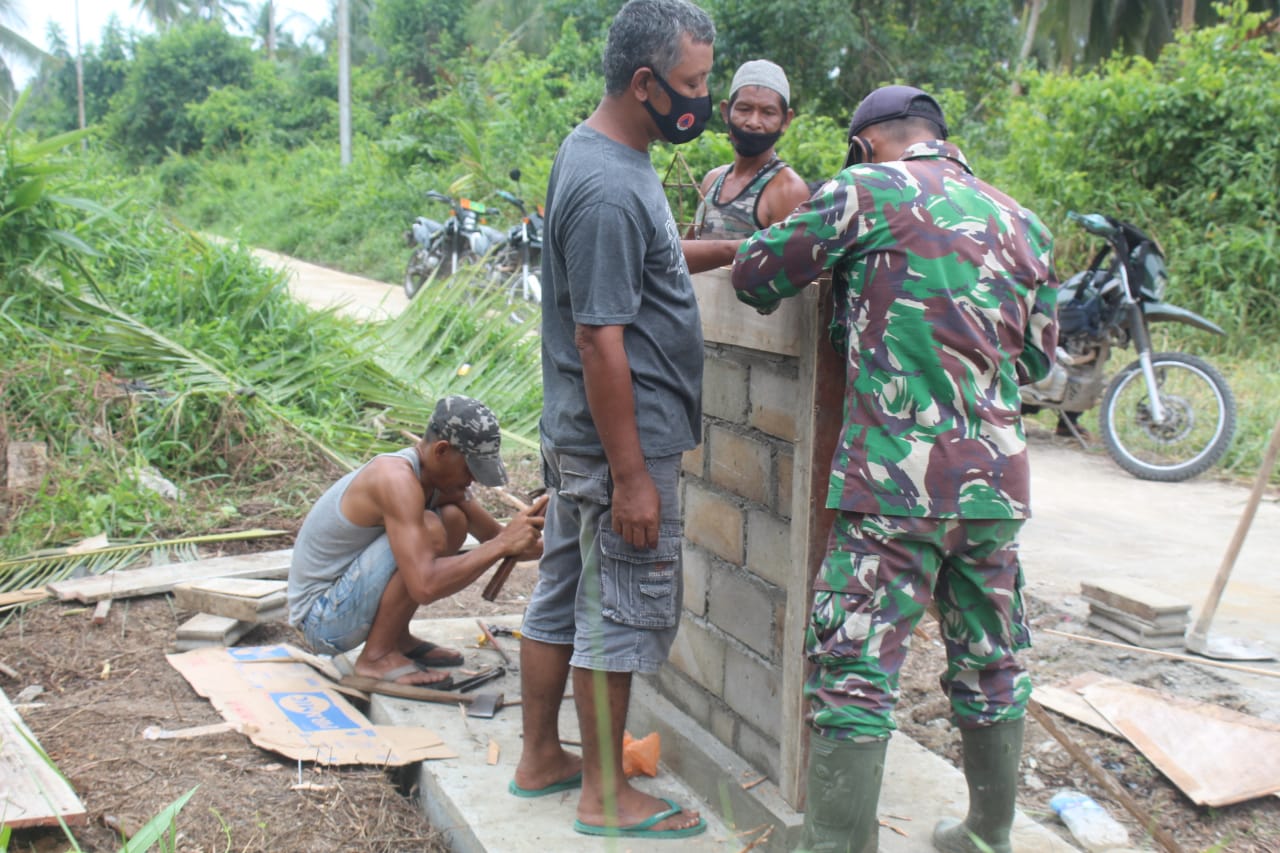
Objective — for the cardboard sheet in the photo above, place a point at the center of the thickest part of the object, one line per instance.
(281, 703)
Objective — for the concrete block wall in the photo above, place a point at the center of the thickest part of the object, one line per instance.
(726, 667)
(755, 529)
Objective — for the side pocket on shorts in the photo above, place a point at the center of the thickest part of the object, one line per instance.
(639, 586)
(584, 478)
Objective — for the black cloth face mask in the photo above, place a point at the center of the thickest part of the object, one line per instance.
(750, 144)
(688, 116)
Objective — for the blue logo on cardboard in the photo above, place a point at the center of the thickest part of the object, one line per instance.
(250, 653)
(313, 712)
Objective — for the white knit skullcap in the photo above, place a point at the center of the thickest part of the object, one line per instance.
(761, 72)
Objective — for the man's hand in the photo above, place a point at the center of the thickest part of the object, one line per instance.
(637, 510)
(522, 536)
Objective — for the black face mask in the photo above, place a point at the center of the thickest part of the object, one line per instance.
(687, 118)
(750, 144)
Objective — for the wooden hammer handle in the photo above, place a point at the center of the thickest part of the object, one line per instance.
(499, 578)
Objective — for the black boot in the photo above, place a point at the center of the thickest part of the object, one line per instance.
(991, 756)
(844, 788)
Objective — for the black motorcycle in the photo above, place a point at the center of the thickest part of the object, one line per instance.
(441, 249)
(516, 265)
(1168, 416)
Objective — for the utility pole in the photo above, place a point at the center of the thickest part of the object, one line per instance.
(84, 143)
(271, 30)
(344, 81)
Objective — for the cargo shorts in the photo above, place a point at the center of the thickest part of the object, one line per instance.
(617, 605)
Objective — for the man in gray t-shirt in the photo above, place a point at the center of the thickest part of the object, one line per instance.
(622, 385)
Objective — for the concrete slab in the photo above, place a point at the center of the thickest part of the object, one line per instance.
(467, 798)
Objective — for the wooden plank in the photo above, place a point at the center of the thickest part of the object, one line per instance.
(101, 610)
(1134, 598)
(725, 320)
(237, 598)
(1214, 755)
(156, 579)
(31, 792)
(22, 596)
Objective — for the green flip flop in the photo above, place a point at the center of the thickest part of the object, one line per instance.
(574, 781)
(644, 829)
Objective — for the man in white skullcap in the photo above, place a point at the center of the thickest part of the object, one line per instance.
(757, 189)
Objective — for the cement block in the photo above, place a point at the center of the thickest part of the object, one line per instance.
(784, 465)
(27, 462)
(697, 571)
(759, 750)
(714, 522)
(769, 547)
(724, 390)
(743, 608)
(698, 652)
(751, 689)
(687, 696)
(739, 463)
(773, 399)
(694, 462)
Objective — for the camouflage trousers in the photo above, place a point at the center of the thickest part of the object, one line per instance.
(879, 577)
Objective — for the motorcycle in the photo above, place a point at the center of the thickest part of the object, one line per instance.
(517, 263)
(441, 249)
(1168, 416)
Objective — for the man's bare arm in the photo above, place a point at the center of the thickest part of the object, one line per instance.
(703, 255)
(607, 376)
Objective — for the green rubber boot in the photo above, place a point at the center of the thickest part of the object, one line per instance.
(844, 789)
(991, 756)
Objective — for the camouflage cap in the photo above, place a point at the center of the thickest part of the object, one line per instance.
(472, 428)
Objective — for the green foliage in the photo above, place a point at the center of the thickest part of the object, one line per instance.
(1185, 147)
(150, 114)
(415, 36)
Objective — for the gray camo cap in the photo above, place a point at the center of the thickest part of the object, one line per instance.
(472, 428)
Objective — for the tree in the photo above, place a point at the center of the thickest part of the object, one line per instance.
(171, 71)
(416, 37)
(163, 13)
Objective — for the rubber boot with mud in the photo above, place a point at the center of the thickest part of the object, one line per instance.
(844, 789)
(991, 756)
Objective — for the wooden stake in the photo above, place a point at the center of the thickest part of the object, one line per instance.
(1103, 778)
(1252, 670)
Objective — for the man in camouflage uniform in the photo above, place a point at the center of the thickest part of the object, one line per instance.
(944, 305)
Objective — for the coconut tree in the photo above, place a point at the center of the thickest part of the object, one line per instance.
(13, 46)
(163, 13)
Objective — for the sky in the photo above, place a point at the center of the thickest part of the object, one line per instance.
(94, 14)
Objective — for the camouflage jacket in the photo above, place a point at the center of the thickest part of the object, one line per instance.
(944, 304)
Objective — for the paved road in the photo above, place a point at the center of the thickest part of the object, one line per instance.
(1092, 520)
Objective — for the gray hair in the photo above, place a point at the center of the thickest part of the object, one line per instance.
(647, 34)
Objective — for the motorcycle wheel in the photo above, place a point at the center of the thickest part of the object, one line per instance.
(422, 263)
(1200, 419)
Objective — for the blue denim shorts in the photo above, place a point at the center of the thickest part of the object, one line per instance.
(340, 619)
(618, 606)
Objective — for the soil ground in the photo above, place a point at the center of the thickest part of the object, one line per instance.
(103, 685)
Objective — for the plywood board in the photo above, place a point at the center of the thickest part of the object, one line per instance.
(135, 582)
(725, 320)
(237, 598)
(31, 792)
(1214, 755)
(1067, 701)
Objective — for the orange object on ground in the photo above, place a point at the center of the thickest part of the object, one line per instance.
(640, 756)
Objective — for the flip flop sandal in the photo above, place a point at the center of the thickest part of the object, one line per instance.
(421, 654)
(644, 829)
(574, 781)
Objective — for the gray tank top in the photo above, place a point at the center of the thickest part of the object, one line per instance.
(734, 219)
(328, 543)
